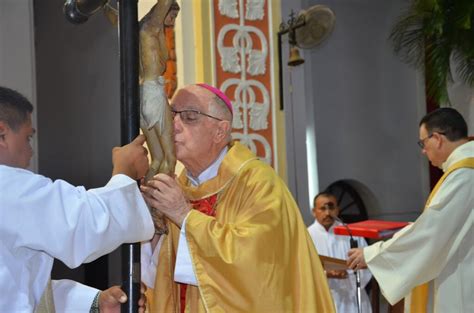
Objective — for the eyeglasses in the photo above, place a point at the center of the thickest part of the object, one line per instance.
(421, 142)
(191, 116)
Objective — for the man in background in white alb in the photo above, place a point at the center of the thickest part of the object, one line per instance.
(342, 283)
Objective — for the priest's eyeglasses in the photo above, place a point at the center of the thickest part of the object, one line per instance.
(421, 142)
(191, 116)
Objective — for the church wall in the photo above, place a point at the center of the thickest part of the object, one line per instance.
(17, 55)
(78, 105)
(367, 109)
(362, 105)
(301, 165)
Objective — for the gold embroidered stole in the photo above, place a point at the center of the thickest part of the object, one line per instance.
(46, 304)
(420, 294)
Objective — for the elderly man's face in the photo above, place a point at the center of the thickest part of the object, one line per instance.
(16, 149)
(194, 138)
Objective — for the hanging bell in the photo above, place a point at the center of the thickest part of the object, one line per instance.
(295, 58)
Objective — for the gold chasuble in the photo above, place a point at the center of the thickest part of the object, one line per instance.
(419, 297)
(254, 255)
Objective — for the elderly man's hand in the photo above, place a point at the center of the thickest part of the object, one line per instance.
(356, 259)
(131, 159)
(163, 193)
(111, 299)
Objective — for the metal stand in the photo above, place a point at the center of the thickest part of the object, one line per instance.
(357, 276)
(356, 272)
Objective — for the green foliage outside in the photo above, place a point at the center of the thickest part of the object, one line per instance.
(432, 32)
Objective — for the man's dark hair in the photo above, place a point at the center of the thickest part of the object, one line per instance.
(324, 194)
(14, 108)
(447, 121)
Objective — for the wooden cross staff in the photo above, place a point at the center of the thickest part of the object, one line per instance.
(78, 11)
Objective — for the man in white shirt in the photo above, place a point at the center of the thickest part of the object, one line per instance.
(43, 220)
(436, 252)
(342, 283)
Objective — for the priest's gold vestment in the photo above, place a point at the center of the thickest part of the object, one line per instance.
(255, 255)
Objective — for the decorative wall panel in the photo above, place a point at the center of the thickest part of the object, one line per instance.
(242, 37)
